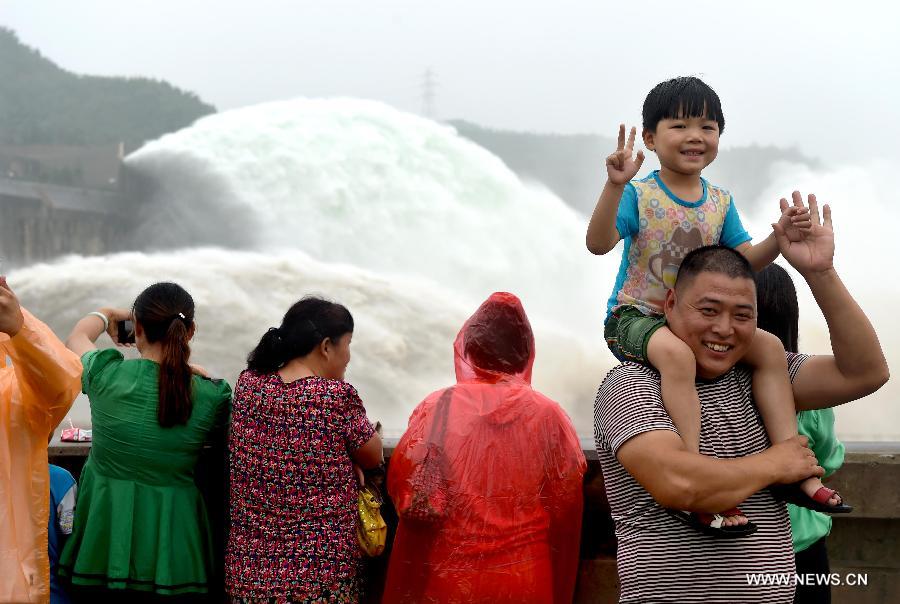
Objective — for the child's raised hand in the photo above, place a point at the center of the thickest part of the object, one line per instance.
(621, 167)
(795, 219)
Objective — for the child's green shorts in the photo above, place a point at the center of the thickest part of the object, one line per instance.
(628, 332)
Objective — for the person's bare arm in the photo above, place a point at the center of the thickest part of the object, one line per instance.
(760, 255)
(84, 334)
(602, 234)
(90, 327)
(679, 479)
(857, 366)
(370, 455)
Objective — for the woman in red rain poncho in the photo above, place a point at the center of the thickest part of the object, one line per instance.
(487, 478)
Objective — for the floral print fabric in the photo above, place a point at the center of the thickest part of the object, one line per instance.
(293, 490)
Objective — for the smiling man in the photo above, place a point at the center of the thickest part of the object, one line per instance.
(647, 467)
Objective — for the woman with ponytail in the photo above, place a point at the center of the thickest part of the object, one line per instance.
(297, 429)
(141, 531)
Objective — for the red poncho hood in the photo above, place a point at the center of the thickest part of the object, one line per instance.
(516, 339)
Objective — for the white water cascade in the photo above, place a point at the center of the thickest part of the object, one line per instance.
(399, 218)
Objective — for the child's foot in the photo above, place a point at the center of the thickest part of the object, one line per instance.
(811, 494)
(733, 517)
(729, 524)
(812, 485)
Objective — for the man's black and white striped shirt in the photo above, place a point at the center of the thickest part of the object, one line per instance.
(659, 559)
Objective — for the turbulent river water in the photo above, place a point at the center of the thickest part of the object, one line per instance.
(410, 226)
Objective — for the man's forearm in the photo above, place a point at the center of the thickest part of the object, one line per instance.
(708, 484)
(854, 343)
(680, 479)
(602, 235)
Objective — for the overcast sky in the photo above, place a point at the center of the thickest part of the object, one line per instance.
(824, 76)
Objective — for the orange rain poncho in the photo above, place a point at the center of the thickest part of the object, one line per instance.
(505, 483)
(35, 394)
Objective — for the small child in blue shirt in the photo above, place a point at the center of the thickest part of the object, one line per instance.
(662, 218)
(62, 514)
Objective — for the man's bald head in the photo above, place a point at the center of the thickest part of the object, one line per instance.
(713, 259)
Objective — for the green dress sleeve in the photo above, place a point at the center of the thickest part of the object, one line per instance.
(818, 426)
(223, 411)
(97, 364)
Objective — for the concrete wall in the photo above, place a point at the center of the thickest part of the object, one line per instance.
(39, 222)
(866, 541)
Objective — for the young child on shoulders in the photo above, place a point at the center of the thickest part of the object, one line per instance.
(662, 217)
(62, 515)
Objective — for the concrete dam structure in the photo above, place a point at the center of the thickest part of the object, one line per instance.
(40, 221)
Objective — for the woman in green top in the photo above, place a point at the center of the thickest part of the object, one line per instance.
(140, 523)
(779, 314)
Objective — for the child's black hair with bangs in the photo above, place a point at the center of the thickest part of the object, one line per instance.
(679, 98)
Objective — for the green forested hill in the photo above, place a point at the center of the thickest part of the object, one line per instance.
(40, 103)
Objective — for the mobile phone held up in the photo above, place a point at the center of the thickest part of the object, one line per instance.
(126, 332)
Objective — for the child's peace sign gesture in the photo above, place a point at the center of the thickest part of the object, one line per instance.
(620, 166)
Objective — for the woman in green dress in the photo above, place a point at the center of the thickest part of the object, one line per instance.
(141, 529)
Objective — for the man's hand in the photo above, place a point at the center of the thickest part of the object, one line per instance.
(11, 318)
(814, 251)
(620, 166)
(794, 461)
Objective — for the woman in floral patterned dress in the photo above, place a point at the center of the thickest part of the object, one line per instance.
(297, 430)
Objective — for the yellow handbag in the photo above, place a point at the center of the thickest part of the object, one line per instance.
(371, 531)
